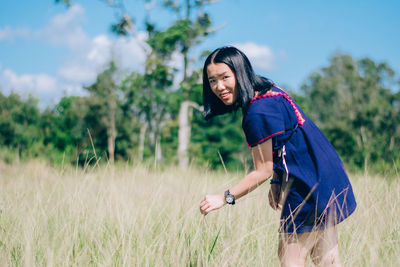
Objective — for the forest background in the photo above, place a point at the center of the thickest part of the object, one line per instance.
(155, 115)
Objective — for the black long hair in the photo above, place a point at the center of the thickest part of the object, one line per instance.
(246, 81)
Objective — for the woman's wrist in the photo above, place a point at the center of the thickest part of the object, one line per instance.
(229, 198)
(222, 196)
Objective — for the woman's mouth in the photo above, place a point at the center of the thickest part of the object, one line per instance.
(225, 95)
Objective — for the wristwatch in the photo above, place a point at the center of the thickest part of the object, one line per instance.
(229, 198)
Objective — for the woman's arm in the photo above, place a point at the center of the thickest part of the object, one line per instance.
(263, 164)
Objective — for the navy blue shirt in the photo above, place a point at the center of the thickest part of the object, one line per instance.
(309, 155)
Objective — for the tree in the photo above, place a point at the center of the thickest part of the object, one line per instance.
(181, 36)
(148, 96)
(64, 126)
(104, 100)
(190, 28)
(219, 141)
(354, 103)
(18, 122)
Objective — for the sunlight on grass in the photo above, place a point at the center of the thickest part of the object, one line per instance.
(132, 215)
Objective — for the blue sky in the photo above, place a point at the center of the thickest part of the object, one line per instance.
(48, 50)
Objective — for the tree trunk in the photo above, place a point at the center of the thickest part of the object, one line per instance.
(158, 151)
(111, 148)
(158, 124)
(391, 144)
(111, 131)
(111, 141)
(142, 137)
(185, 112)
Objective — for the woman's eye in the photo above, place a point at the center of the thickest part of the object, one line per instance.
(226, 77)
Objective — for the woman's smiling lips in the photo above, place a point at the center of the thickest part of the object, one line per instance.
(224, 95)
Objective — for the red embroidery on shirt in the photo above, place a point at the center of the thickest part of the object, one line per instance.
(300, 118)
(266, 138)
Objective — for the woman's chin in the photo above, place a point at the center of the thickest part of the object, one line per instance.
(227, 102)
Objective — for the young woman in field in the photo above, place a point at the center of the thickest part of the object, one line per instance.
(308, 182)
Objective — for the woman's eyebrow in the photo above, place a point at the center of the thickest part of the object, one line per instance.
(218, 74)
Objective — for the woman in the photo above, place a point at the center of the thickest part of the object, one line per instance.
(309, 182)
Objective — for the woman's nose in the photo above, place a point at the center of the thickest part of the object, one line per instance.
(220, 85)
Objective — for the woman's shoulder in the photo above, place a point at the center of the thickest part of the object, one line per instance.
(264, 118)
(268, 101)
(275, 104)
(265, 108)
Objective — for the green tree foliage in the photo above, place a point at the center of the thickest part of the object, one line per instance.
(151, 94)
(18, 123)
(148, 96)
(353, 101)
(105, 106)
(221, 137)
(64, 127)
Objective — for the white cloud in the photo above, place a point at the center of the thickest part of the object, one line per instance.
(85, 57)
(47, 88)
(77, 74)
(129, 53)
(176, 61)
(83, 67)
(39, 84)
(100, 50)
(65, 29)
(8, 34)
(5, 33)
(260, 56)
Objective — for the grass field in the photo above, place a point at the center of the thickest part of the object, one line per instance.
(136, 216)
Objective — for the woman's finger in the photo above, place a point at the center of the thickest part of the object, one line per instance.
(209, 209)
(205, 207)
(203, 203)
(203, 212)
(271, 200)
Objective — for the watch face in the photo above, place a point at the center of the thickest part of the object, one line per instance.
(229, 199)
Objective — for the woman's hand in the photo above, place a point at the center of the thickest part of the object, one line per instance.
(274, 196)
(211, 202)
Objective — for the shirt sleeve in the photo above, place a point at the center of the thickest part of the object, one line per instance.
(263, 122)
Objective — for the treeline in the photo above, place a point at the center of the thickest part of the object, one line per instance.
(127, 121)
(354, 102)
(357, 105)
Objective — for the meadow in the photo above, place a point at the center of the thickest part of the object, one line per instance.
(140, 215)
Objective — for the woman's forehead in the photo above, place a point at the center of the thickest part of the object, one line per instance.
(218, 69)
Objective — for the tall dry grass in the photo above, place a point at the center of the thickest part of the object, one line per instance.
(136, 216)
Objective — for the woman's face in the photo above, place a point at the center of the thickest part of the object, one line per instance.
(222, 82)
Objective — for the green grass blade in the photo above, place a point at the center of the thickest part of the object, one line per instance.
(213, 246)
